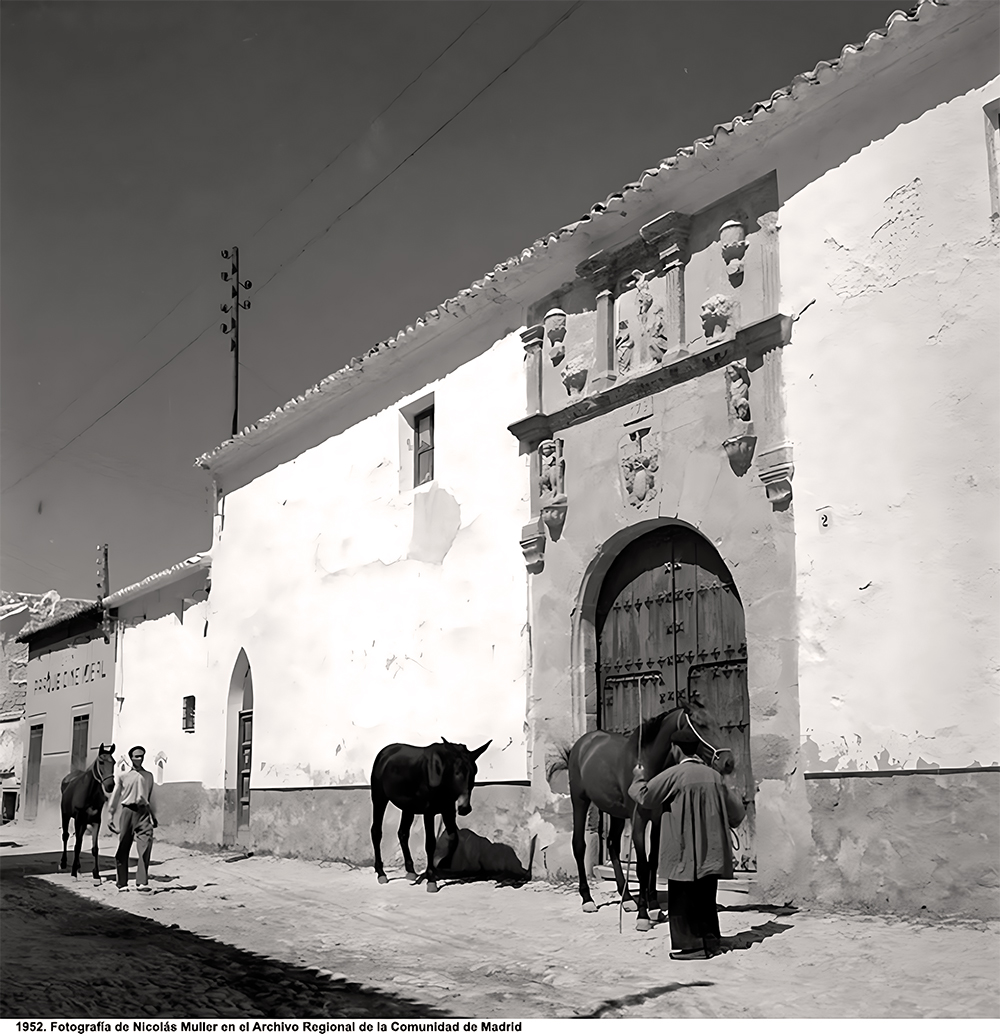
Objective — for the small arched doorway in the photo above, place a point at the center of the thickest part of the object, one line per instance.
(670, 623)
(239, 751)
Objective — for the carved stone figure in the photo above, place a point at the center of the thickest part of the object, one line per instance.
(738, 383)
(551, 468)
(623, 347)
(555, 332)
(716, 315)
(639, 456)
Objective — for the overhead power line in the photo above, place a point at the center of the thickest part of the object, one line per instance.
(336, 219)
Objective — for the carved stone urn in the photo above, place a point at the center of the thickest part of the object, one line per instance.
(716, 315)
(555, 331)
(733, 242)
(574, 376)
(739, 450)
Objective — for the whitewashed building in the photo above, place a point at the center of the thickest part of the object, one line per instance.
(734, 430)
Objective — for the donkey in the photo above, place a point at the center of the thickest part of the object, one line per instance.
(84, 793)
(432, 780)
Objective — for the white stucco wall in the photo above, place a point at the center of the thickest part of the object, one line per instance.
(370, 614)
(892, 389)
(160, 661)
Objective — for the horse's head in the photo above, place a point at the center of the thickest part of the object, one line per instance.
(452, 768)
(104, 768)
(709, 740)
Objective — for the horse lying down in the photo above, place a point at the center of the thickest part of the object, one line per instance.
(435, 780)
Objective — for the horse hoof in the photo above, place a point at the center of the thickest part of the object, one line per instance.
(590, 907)
(411, 876)
(643, 924)
(432, 886)
(383, 880)
(630, 906)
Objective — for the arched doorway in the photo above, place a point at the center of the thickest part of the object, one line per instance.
(669, 623)
(239, 751)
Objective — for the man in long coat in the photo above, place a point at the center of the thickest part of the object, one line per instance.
(698, 810)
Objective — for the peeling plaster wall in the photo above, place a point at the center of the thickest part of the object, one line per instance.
(372, 614)
(892, 393)
(892, 383)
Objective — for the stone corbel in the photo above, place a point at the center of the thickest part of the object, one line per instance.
(533, 545)
(776, 470)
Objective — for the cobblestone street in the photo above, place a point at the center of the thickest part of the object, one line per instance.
(226, 936)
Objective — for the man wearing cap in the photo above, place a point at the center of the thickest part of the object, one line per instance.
(134, 791)
(698, 810)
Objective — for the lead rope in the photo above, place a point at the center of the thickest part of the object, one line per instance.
(635, 809)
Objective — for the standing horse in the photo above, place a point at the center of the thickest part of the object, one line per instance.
(84, 793)
(600, 772)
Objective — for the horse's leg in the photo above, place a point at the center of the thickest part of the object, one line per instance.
(404, 843)
(452, 830)
(65, 834)
(379, 802)
(654, 859)
(616, 826)
(429, 844)
(97, 869)
(580, 807)
(642, 921)
(81, 826)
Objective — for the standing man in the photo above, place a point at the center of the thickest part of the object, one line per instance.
(134, 791)
(698, 810)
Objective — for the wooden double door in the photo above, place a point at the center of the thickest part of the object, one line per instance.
(670, 624)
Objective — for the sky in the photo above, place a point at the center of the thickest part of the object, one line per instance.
(369, 159)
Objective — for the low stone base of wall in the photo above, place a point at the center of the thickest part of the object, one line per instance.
(190, 813)
(909, 844)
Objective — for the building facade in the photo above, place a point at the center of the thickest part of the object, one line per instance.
(731, 435)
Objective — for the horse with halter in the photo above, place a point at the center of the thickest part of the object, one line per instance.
(600, 772)
(84, 793)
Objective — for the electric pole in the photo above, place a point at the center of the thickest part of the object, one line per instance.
(233, 327)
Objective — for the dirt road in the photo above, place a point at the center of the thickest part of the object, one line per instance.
(245, 938)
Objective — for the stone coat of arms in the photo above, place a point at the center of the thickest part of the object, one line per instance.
(639, 459)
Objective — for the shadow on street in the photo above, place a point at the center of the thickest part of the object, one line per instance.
(66, 956)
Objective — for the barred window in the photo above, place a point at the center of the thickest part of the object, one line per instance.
(423, 461)
(187, 716)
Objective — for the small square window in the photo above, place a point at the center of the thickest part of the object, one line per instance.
(187, 717)
(423, 459)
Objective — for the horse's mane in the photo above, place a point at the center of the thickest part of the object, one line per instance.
(648, 729)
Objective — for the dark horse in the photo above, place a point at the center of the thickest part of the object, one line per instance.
(600, 772)
(431, 781)
(84, 793)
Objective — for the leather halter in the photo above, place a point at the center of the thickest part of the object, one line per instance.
(103, 780)
(716, 752)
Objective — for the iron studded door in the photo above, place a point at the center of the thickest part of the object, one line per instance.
(243, 778)
(722, 688)
(669, 613)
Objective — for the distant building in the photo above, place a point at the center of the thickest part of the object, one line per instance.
(731, 434)
(68, 698)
